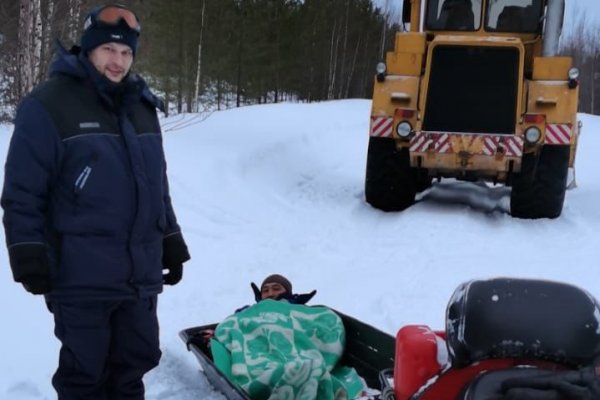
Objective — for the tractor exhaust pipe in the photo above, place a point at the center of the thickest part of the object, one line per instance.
(554, 20)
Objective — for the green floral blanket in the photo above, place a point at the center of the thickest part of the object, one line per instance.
(277, 350)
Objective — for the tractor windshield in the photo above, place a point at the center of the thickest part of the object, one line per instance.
(520, 16)
(453, 15)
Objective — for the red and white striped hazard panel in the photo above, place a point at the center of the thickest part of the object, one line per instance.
(381, 126)
(511, 146)
(437, 142)
(558, 134)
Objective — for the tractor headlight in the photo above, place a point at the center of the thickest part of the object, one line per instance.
(574, 73)
(573, 76)
(532, 134)
(404, 129)
(380, 68)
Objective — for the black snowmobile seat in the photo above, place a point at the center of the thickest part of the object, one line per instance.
(522, 318)
(488, 385)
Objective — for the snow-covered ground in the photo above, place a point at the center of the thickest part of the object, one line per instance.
(279, 188)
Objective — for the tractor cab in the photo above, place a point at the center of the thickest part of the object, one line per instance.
(499, 16)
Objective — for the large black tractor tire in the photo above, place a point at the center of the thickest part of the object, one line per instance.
(390, 184)
(423, 181)
(538, 191)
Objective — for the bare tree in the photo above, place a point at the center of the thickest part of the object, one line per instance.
(352, 67)
(36, 59)
(199, 67)
(48, 33)
(343, 74)
(384, 28)
(25, 57)
(74, 13)
(333, 50)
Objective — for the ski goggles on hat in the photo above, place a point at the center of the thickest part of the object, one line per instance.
(111, 16)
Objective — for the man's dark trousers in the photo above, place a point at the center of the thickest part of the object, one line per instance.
(107, 347)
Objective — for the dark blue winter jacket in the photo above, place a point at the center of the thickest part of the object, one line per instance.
(85, 194)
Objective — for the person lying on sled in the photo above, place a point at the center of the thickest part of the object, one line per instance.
(282, 348)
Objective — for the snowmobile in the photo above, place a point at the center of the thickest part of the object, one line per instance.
(537, 337)
(500, 334)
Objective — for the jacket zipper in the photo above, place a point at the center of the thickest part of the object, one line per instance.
(82, 179)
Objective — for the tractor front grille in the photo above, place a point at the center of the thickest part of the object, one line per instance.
(472, 89)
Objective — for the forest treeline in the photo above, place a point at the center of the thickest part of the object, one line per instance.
(201, 54)
(214, 54)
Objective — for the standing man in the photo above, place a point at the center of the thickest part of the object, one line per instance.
(87, 211)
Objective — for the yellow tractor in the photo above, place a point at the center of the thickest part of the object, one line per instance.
(474, 90)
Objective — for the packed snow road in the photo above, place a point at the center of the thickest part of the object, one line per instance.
(279, 188)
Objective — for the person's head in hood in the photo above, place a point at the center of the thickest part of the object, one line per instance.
(110, 40)
(275, 286)
(278, 287)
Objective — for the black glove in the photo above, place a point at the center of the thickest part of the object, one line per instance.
(29, 264)
(37, 284)
(301, 298)
(173, 275)
(572, 385)
(256, 290)
(175, 251)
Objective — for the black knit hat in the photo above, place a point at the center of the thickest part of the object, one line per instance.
(96, 33)
(276, 278)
